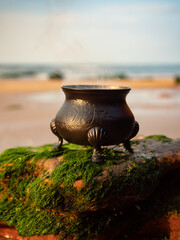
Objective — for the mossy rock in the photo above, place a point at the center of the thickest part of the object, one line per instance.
(62, 192)
(161, 138)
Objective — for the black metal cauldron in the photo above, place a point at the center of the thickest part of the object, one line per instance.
(96, 115)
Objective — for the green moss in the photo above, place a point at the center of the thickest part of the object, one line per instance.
(39, 197)
(38, 203)
(141, 177)
(78, 165)
(30, 220)
(134, 142)
(177, 79)
(161, 138)
(45, 195)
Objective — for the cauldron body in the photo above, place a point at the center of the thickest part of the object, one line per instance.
(96, 115)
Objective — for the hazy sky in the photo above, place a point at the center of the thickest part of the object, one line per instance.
(106, 31)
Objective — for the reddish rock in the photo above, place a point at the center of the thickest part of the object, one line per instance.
(10, 232)
(156, 228)
(79, 184)
(50, 164)
(168, 157)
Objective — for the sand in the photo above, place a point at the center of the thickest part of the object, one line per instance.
(27, 107)
(12, 86)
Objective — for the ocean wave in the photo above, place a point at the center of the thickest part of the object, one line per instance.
(87, 71)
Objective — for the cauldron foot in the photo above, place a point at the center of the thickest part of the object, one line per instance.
(59, 144)
(54, 130)
(127, 144)
(96, 137)
(96, 156)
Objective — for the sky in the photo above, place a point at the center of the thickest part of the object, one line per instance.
(90, 31)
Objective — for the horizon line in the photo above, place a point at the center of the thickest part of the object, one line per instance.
(101, 63)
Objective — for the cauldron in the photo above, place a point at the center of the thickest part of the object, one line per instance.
(95, 115)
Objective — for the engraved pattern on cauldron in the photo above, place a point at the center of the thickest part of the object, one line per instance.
(102, 115)
(81, 113)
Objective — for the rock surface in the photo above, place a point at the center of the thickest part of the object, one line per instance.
(62, 193)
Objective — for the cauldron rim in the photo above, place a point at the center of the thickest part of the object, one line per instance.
(96, 88)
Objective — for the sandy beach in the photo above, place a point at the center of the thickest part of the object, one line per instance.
(21, 86)
(27, 107)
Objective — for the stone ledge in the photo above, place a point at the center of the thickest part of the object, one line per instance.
(72, 197)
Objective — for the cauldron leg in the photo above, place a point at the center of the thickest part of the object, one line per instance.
(96, 156)
(96, 137)
(54, 130)
(127, 144)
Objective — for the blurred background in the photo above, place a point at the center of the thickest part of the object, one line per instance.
(45, 44)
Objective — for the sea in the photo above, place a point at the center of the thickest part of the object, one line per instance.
(87, 71)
